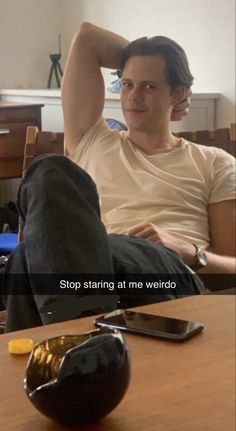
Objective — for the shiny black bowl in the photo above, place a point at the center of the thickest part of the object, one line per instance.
(78, 379)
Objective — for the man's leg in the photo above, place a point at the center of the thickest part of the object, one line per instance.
(63, 234)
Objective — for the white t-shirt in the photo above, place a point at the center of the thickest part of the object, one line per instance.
(170, 189)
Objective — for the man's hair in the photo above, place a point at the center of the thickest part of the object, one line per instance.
(176, 62)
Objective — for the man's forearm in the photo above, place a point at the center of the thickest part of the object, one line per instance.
(82, 88)
(217, 264)
(106, 45)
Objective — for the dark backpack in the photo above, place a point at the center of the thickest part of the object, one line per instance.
(9, 218)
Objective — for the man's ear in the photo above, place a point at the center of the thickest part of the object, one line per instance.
(178, 95)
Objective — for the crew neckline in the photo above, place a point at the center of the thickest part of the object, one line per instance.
(181, 146)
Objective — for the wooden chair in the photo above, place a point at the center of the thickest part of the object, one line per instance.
(224, 138)
(41, 142)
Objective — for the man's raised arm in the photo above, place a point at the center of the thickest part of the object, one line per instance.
(83, 87)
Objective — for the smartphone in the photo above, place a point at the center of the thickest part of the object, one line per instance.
(150, 324)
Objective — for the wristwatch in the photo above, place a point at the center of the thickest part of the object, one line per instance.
(200, 258)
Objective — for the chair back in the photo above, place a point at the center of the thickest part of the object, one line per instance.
(224, 138)
(41, 142)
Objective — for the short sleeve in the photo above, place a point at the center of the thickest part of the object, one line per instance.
(97, 132)
(222, 177)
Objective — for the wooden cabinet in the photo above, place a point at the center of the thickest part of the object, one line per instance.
(14, 119)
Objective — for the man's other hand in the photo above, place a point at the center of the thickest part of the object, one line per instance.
(158, 235)
(182, 108)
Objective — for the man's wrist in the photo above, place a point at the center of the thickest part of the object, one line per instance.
(188, 255)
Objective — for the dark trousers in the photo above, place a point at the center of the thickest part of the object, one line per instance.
(63, 234)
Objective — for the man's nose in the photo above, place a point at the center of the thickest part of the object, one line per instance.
(136, 94)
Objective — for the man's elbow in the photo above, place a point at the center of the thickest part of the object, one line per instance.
(85, 28)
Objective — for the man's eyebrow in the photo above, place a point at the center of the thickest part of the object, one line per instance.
(141, 82)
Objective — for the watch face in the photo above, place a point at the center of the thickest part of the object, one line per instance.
(202, 257)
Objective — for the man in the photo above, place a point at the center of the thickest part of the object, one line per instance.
(148, 96)
(167, 204)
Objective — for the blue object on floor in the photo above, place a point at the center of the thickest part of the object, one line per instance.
(8, 242)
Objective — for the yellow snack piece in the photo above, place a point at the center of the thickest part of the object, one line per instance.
(20, 346)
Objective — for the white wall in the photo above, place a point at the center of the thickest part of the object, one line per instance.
(28, 34)
(205, 28)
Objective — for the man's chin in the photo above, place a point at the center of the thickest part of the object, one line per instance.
(134, 123)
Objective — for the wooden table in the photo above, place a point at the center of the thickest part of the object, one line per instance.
(174, 387)
(14, 120)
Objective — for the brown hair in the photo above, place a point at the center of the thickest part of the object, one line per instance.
(177, 68)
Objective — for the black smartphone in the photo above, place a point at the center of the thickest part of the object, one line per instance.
(150, 324)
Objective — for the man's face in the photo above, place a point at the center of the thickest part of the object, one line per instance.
(146, 97)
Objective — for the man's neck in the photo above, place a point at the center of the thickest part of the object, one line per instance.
(152, 143)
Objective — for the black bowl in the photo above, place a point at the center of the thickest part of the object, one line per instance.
(78, 379)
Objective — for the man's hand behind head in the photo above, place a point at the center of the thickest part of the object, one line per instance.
(181, 108)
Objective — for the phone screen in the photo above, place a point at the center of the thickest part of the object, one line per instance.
(150, 324)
